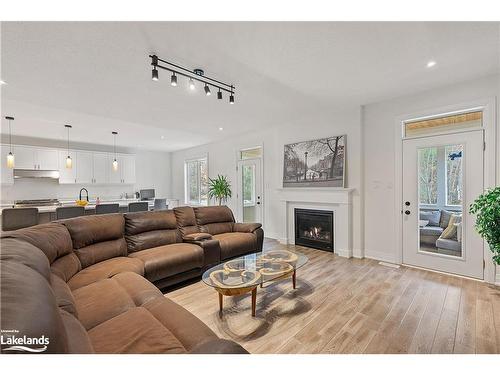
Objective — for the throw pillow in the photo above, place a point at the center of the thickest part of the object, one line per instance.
(451, 230)
(445, 218)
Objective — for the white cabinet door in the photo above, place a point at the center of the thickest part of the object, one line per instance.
(47, 159)
(67, 175)
(100, 161)
(84, 167)
(114, 176)
(24, 157)
(7, 173)
(128, 170)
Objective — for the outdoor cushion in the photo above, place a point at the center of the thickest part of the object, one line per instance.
(432, 216)
(431, 231)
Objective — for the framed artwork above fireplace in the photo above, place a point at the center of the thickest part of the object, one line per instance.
(316, 163)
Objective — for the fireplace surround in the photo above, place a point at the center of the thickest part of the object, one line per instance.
(314, 228)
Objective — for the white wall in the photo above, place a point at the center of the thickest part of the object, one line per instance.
(222, 160)
(379, 160)
(153, 170)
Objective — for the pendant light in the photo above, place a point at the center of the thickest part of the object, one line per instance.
(69, 162)
(115, 162)
(10, 155)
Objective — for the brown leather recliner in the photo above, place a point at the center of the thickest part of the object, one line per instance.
(73, 283)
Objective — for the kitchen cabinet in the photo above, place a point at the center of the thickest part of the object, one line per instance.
(35, 158)
(125, 173)
(67, 175)
(7, 173)
(84, 167)
(99, 167)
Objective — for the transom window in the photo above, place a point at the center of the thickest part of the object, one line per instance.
(444, 124)
(196, 181)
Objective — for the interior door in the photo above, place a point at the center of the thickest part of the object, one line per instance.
(442, 175)
(250, 190)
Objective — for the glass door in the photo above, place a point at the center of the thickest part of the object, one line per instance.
(442, 175)
(250, 191)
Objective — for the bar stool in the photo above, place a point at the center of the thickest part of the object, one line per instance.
(69, 212)
(17, 218)
(107, 208)
(138, 206)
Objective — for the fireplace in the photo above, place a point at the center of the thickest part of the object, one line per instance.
(314, 228)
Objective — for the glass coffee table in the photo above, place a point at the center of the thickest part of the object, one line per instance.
(244, 274)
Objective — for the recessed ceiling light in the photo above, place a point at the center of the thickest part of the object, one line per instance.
(162, 137)
(221, 128)
(431, 63)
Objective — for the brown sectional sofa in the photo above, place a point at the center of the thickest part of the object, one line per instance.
(87, 283)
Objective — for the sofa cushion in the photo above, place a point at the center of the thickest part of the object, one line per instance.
(432, 216)
(52, 238)
(235, 244)
(105, 270)
(186, 327)
(100, 251)
(88, 230)
(186, 220)
(134, 331)
(445, 218)
(78, 338)
(431, 231)
(213, 214)
(246, 227)
(66, 266)
(64, 297)
(106, 299)
(218, 346)
(22, 252)
(168, 260)
(139, 222)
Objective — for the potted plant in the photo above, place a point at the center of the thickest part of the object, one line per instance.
(219, 188)
(487, 209)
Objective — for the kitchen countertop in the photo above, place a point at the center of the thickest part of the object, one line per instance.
(91, 206)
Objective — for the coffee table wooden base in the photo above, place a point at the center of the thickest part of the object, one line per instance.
(238, 292)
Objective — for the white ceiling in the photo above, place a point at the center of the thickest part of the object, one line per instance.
(97, 76)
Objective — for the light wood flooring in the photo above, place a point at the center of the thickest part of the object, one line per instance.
(355, 306)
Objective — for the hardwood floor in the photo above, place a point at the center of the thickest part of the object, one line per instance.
(355, 306)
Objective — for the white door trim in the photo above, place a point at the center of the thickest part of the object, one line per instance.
(488, 106)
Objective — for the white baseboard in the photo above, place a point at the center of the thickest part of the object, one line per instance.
(379, 255)
(344, 253)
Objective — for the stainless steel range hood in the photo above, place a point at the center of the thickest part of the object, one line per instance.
(34, 173)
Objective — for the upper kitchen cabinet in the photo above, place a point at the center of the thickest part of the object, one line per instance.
(84, 167)
(125, 171)
(67, 175)
(35, 158)
(99, 160)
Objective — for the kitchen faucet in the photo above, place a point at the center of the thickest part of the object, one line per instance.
(86, 192)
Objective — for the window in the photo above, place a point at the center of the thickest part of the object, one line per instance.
(248, 185)
(251, 153)
(443, 124)
(454, 175)
(196, 181)
(428, 176)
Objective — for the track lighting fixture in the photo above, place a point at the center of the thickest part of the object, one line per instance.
(192, 76)
(115, 162)
(10, 155)
(155, 74)
(69, 162)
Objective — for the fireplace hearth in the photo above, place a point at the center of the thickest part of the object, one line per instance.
(314, 228)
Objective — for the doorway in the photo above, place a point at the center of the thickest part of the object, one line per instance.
(249, 194)
(442, 175)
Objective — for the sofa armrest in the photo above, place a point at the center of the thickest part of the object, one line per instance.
(218, 346)
(211, 250)
(246, 227)
(197, 237)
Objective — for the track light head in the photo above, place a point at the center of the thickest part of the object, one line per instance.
(191, 84)
(219, 95)
(173, 80)
(231, 99)
(154, 74)
(207, 90)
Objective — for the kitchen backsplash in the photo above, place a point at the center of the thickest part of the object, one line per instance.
(45, 188)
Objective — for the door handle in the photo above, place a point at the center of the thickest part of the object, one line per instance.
(407, 212)
(258, 202)
(407, 203)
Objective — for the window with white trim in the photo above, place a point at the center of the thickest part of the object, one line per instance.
(196, 181)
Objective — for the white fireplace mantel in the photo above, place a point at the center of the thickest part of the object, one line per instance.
(338, 200)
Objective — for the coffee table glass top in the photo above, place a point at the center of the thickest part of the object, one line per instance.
(254, 269)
